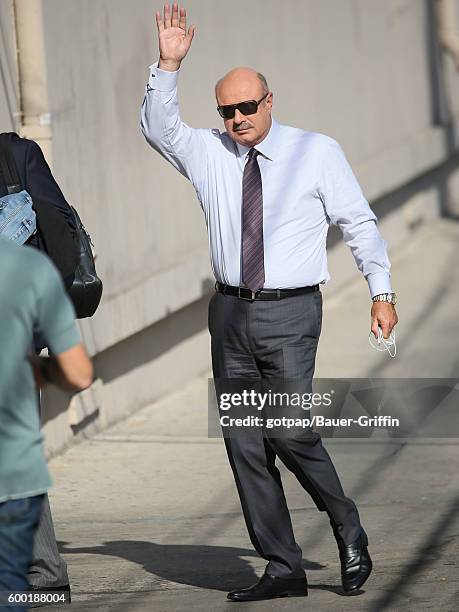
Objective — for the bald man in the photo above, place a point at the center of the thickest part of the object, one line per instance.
(268, 193)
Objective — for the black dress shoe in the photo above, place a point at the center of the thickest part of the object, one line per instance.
(356, 563)
(270, 587)
(63, 590)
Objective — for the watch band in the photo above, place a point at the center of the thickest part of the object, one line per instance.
(390, 298)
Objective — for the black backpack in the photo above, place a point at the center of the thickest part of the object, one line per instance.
(71, 254)
(86, 289)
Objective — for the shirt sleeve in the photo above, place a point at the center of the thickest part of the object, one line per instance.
(55, 312)
(347, 207)
(184, 147)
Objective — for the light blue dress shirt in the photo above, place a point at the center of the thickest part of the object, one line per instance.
(307, 185)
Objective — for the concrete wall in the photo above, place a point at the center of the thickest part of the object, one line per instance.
(366, 72)
(8, 69)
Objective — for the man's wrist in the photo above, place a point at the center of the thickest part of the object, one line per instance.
(169, 65)
(389, 297)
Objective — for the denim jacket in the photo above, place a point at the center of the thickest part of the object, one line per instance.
(18, 221)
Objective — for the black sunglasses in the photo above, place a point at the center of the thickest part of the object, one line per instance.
(249, 107)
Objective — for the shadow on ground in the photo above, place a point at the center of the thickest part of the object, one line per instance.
(219, 568)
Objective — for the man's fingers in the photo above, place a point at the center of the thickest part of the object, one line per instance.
(383, 323)
(374, 328)
(159, 22)
(175, 15)
(191, 30)
(182, 23)
(167, 16)
(174, 18)
(384, 316)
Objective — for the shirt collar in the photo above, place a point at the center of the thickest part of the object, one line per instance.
(267, 146)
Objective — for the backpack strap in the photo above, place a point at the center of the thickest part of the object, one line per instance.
(8, 165)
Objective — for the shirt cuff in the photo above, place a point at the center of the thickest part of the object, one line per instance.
(162, 80)
(65, 340)
(379, 282)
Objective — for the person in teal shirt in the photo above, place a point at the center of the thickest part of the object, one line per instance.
(32, 300)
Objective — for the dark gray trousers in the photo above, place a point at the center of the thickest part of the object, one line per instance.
(48, 568)
(275, 340)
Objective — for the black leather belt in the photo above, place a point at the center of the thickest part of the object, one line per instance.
(263, 294)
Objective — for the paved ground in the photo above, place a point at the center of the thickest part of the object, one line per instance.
(147, 514)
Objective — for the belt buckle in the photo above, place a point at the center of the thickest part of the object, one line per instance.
(248, 299)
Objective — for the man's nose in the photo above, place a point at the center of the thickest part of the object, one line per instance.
(238, 116)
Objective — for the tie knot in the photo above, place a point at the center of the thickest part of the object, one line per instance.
(253, 153)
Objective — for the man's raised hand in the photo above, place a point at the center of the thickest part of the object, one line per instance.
(174, 40)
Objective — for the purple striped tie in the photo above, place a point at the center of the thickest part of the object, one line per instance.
(253, 265)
